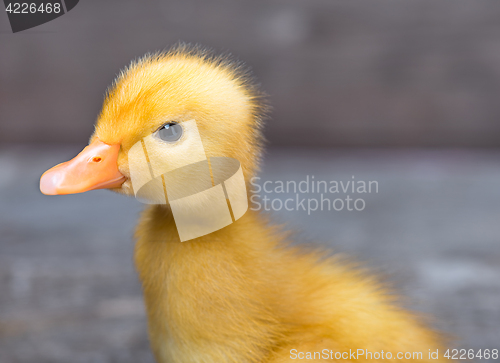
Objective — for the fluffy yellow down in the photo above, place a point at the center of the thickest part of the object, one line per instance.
(239, 294)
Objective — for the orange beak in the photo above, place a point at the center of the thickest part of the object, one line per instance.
(94, 168)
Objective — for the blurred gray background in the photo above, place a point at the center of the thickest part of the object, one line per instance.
(357, 73)
(403, 92)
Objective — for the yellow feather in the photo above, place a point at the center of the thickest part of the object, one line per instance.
(239, 294)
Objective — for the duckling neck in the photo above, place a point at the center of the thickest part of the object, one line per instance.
(191, 287)
(159, 248)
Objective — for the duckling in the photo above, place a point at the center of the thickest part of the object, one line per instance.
(241, 293)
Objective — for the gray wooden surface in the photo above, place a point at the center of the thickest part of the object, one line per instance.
(69, 293)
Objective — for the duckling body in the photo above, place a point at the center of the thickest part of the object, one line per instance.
(239, 294)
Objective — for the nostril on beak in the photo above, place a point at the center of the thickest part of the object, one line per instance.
(96, 159)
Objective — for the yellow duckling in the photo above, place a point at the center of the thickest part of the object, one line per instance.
(239, 294)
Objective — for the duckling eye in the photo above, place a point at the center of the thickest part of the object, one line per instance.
(170, 132)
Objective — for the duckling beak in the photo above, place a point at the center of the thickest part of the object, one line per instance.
(95, 167)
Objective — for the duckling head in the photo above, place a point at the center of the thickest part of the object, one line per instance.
(166, 103)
